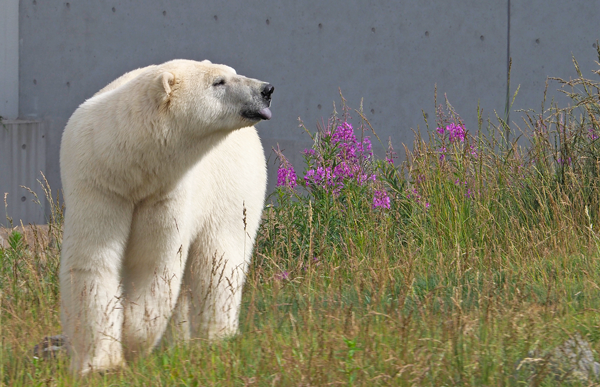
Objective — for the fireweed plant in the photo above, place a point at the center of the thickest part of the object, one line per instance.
(337, 163)
(342, 179)
(460, 191)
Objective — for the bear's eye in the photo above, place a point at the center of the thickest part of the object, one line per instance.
(219, 82)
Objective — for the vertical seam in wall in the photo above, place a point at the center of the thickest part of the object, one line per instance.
(508, 39)
(508, 66)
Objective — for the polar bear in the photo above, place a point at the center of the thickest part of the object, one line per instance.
(164, 180)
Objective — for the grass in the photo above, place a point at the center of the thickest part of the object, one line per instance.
(486, 260)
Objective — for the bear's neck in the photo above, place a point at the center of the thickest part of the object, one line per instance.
(165, 161)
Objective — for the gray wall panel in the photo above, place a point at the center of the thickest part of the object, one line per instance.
(391, 53)
(9, 58)
(544, 37)
(22, 162)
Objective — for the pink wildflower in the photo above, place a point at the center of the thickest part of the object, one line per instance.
(381, 199)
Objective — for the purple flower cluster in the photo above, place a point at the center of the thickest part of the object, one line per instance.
(338, 161)
(344, 134)
(286, 175)
(390, 154)
(348, 163)
(442, 151)
(341, 159)
(473, 151)
(381, 199)
(455, 132)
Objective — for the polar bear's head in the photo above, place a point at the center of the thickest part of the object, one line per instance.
(211, 96)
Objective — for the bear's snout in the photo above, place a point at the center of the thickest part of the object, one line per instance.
(267, 90)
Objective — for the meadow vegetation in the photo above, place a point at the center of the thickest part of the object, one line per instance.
(466, 259)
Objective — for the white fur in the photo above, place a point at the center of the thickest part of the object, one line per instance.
(158, 169)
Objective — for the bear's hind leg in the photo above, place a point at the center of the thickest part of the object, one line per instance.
(212, 286)
(153, 270)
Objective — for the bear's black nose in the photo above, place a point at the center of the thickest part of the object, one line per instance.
(267, 91)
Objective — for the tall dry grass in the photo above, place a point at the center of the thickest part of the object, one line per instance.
(483, 259)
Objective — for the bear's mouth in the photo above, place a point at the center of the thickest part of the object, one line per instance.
(262, 114)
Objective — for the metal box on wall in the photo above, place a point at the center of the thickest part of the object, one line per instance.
(22, 162)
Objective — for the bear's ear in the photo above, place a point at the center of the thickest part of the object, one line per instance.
(206, 62)
(167, 79)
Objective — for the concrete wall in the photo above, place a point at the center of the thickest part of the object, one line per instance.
(9, 58)
(544, 36)
(391, 53)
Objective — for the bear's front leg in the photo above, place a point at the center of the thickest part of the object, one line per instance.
(95, 234)
(153, 270)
